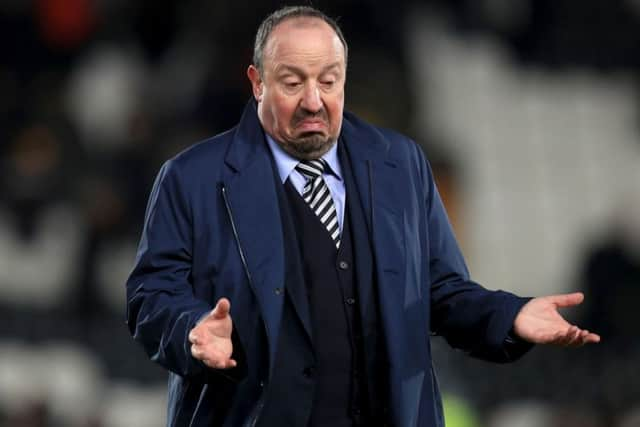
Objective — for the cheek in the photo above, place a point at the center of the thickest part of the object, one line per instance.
(335, 108)
(275, 109)
(280, 106)
(284, 110)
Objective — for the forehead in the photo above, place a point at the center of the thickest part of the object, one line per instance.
(303, 41)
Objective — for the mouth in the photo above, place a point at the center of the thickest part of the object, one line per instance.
(311, 126)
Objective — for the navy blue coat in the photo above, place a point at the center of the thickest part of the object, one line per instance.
(213, 229)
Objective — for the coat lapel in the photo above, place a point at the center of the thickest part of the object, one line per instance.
(253, 202)
(382, 186)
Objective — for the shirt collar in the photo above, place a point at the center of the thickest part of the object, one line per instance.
(287, 163)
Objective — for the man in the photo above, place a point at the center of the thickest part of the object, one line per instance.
(323, 247)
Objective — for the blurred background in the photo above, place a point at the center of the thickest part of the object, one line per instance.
(527, 109)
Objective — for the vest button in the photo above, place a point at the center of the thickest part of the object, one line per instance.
(278, 291)
(350, 301)
(308, 372)
(343, 265)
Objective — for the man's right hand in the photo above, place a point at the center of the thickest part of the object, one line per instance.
(211, 337)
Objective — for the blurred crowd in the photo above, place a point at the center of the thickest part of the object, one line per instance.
(96, 94)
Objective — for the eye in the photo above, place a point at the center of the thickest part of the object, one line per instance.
(292, 84)
(327, 84)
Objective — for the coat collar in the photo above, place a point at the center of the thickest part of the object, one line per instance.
(248, 140)
(365, 143)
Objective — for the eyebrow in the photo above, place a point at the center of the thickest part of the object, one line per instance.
(299, 71)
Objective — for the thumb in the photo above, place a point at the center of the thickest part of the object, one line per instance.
(567, 300)
(221, 309)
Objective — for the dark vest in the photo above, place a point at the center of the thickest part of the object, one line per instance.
(336, 377)
(340, 394)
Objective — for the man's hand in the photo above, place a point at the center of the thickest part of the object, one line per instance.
(540, 322)
(211, 337)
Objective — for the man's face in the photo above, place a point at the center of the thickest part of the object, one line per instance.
(300, 93)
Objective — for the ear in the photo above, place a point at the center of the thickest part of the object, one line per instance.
(256, 82)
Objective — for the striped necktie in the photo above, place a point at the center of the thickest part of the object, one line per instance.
(316, 194)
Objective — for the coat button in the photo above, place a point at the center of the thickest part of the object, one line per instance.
(278, 291)
(343, 265)
(350, 301)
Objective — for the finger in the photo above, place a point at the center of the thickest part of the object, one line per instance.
(576, 338)
(587, 337)
(567, 300)
(579, 341)
(564, 338)
(194, 338)
(567, 336)
(591, 338)
(219, 364)
(221, 309)
(228, 364)
(197, 352)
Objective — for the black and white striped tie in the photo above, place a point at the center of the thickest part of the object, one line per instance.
(316, 194)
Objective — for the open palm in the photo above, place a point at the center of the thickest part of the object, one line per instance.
(211, 337)
(540, 322)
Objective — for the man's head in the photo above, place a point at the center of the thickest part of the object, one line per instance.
(297, 77)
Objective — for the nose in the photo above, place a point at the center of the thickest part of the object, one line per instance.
(311, 100)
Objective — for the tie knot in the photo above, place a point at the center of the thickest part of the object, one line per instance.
(311, 168)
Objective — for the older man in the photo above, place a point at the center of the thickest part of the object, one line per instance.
(323, 247)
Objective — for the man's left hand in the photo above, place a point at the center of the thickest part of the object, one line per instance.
(539, 322)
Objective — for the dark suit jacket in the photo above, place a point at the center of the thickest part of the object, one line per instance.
(213, 229)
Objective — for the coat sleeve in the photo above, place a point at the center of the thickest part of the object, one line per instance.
(470, 317)
(161, 306)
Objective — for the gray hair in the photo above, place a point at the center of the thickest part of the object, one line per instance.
(290, 12)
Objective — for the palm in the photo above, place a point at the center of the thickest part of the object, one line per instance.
(211, 338)
(540, 322)
(219, 345)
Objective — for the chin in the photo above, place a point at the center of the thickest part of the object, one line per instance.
(309, 145)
